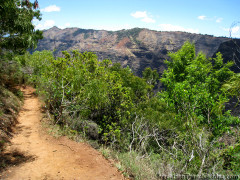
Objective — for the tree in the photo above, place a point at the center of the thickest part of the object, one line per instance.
(17, 32)
(193, 87)
(151, 76)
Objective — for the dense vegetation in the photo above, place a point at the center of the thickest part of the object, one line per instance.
(180, 129)
(17, 35)
(17, 32)
(184, 129)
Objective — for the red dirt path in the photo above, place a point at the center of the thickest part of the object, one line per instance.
(52, 158)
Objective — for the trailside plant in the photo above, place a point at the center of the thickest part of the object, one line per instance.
(193, 89)
(178, 129)
(80, 90)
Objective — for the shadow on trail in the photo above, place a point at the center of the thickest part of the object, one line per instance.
(12, 159)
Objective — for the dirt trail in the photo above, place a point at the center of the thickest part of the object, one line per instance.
(52, 158)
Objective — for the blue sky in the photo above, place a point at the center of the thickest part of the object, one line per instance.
(214, 17)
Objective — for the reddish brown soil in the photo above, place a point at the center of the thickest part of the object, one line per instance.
(46, 157)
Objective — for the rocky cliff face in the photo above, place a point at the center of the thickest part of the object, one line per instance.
(137, 48)
(231, 52)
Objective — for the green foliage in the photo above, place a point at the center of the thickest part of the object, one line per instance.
(138, 167)
(177, 129)
(172, 133)
(151, 76)
(10, 71)
(80, 87)
(194, 92)
(17, 32)
(138, 87)
(193, 88)
(232, 87)
(231, 157)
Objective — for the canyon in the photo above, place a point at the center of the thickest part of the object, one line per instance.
(137, 48)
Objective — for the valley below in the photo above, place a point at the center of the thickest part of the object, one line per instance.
(137, 48)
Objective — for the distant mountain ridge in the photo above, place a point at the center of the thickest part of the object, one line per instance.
(138, 48)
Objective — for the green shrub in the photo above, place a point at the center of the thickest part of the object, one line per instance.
(78, 86)
(177, 129)
(231, 156)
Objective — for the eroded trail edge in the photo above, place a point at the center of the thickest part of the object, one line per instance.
(46, 157)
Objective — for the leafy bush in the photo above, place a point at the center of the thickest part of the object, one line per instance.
(10, 71)
(231, 157)
(193, 88)
(178, 129)
(80, 87)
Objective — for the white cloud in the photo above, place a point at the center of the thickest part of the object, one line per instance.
(225, 29)
(45, 25)
(205, 18)
(49, 23)
(170, 27)
(235, 32)
(202, 17)
(52, 8)
(143, 16)
(148, 20)
(139, 14)
(235, 29)
(218, 20)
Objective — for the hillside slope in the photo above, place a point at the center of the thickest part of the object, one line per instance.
(137, 48)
